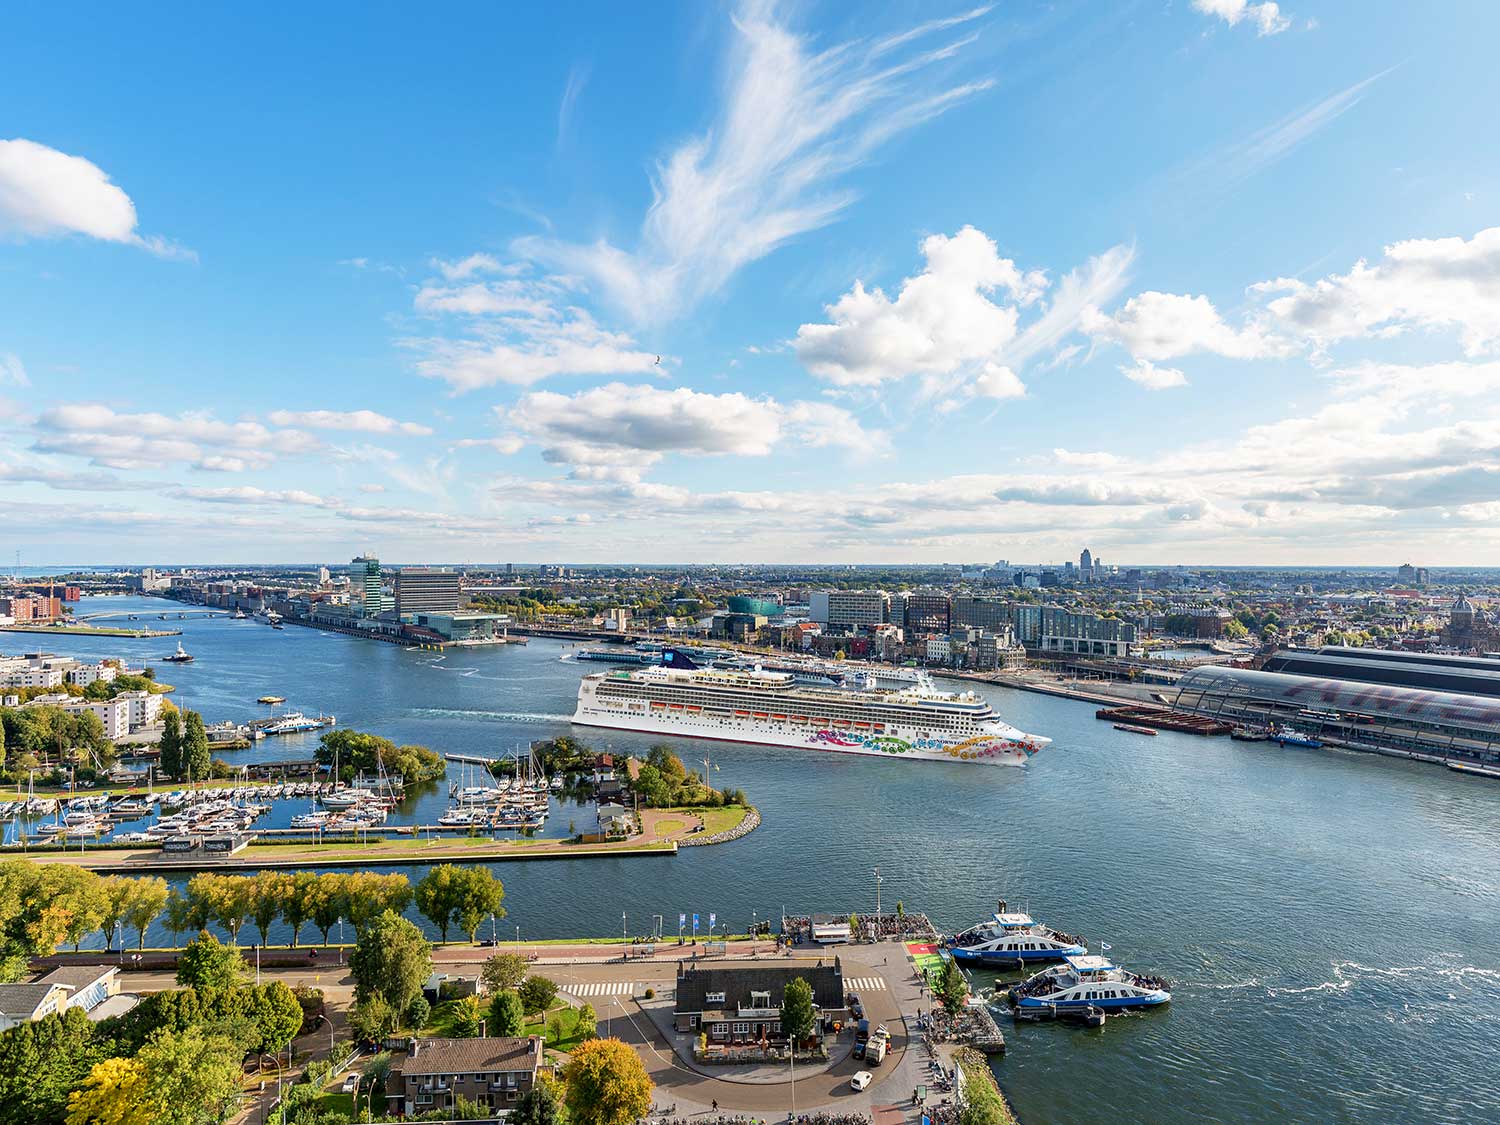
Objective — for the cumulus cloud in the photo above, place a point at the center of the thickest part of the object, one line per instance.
(1266, 17)
(361, 421)
(1148, 375)
(941, 320)
(1433, 283)
(247, 494)
(1155, 326)
(793, 122)
(45, 193)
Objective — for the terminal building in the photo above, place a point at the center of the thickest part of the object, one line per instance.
(421, 589)
(1434, 725)
(1466, 675)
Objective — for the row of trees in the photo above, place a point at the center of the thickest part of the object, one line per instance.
(297, 898)
(44, 905)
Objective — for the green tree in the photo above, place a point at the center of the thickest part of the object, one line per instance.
(588, 1021)
(114, 893)
(952, 987)
(329, 902)
(507, 1014)
(148, 895)
(82, 897)
(185, 913)
(372, 1019)
(435, 898)
(206, 962)
(193, 1077)
(477, 894)
(418, 1012)
(464, 1017)
(171, 745)
(268, 892)
(370, 894)
(607, 1084)
(40, 1062)
(538, 1106)
(298, 900)
(797, 1016)
(537, 994)
(392, 959)
(503, 971)
(196, 760)
(227, 899)
(278, 1016)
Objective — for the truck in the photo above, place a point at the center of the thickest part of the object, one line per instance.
(875, 1050)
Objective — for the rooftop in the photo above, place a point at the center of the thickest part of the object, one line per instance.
(456, 1056)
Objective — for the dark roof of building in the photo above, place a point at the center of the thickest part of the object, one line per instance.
(1478, 677)
(77, 976)
(20, 1000)
(1402, 656)
(738, 981)
(457, 1056)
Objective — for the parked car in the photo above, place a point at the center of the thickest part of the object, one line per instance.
(350, 1083)
(861, 1080)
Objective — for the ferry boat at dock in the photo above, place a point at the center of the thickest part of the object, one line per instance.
(1087, 981)
(1012, 938)
(1286, 736)
(770, 708)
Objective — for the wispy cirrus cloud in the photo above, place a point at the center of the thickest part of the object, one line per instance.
(794, 121)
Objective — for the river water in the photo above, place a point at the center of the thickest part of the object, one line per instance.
(1331, 921)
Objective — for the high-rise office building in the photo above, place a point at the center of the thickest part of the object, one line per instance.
(849, 608)
(364, 573)
(928, 611)
(421, 589)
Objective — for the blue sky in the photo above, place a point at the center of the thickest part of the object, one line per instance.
(1200, 281)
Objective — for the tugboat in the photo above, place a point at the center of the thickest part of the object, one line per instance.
(1084, 982)
(1012, 938)
(181, 656)
(1286, 736)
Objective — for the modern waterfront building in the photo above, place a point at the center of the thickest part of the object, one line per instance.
(992, 614)
(421, 589)
(1083, 633)
(1432, 724)
(755, 607)
(364, 574)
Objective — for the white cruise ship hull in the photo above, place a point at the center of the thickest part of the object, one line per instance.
(1001, 747)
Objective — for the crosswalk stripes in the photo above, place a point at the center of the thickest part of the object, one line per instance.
(865, 984)
(602, 988)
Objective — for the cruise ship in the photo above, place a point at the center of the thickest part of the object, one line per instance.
(771, 708)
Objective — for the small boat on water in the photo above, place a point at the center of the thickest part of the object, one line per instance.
(1286, 736)
(1133, 729)
(1012, 938)
(271, 700)
(1249, 734)
(1086, 981)
(181, 656)
(239, 615)
(458, 818)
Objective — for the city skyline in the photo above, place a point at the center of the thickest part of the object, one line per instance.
(1196, 284)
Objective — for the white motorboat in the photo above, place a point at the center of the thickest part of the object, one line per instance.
(1011, 938)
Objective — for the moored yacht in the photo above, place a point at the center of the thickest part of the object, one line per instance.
(1088, 981)
(1010, 938)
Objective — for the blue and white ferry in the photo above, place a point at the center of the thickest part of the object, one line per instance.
(1088, 981)
(1012, 938)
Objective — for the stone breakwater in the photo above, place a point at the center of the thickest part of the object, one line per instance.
(743, 828)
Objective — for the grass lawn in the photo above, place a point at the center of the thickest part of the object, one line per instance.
(336, 1101)
(669, 826)
(720, 819)
(572, 1035)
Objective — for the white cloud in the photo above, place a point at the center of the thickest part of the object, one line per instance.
(484, 299)
(49, 194)
(12, 371)
(520, 351)
(123, 440)
(1154, 326)
(1148, 375)
(941, 320)
(1266, 17)
(616, 432)
(361, 421)
(251, 495)
(996, 381)
(465, 268)
(1431, 283)
(793, 122)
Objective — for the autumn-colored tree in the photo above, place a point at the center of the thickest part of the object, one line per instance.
(268, 892)
(606, 1084)
(114, 1093)
(148, 895)
(298, 900)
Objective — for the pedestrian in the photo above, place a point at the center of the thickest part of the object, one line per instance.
(716, 1105)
